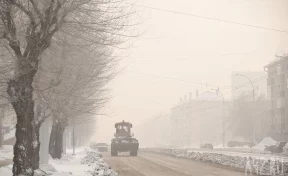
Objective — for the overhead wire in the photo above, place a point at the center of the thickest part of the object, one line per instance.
(237, 88)
(212, 18)
(176, 79)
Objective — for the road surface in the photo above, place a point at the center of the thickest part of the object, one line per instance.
(150, 164)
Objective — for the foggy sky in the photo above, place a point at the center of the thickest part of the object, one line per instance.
(192, 49)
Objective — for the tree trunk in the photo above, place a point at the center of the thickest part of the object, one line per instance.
(36, 147)
(20, 92)
(64, 141)
(36, 138)
(1, 129)
(56, 139)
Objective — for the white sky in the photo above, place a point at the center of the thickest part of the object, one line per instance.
(191, 49)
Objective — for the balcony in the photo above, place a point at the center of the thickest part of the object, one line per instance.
(280, 94)
(271, 105)
(270, 81)
(280, 111)
(271, 113)
(280, 79)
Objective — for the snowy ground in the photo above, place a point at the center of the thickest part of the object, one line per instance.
(11, 134)
(6, 153)
(86, 162)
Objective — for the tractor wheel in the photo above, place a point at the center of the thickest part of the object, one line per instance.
(133, 153)
(114, 152)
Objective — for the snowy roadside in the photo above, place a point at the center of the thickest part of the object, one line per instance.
(86, 162)
(273, 165)
(94, 160)
(6, 153)
(257, 149)
(11, 134)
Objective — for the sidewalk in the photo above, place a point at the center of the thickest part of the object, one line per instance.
(67, 165)
(6, 155)
(71, 164)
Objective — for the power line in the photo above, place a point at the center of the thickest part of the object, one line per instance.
(247, 84)
(211, 18)
(207, 108)
(176, 79)
(262, 77)
(202, 83)
(237, 87)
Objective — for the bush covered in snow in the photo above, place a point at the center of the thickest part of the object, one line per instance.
(259, 166)
(91, 157)
(94, 159)
(100, 168)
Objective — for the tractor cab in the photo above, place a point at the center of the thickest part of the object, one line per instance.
(123, 129)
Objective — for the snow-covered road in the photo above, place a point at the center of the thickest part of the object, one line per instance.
(150, 164)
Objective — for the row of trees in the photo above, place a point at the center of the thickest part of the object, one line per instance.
(241, 114)
(56, 58)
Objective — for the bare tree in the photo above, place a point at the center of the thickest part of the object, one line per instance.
(27, 30)
(240, 117)
(79, 92)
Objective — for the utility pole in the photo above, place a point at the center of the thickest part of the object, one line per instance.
(1, 128)
(223, 118)
(253, 94)
(73, 137)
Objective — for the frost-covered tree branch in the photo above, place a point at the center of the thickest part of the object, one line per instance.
(27, 29)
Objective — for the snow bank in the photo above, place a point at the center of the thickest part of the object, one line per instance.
(265, 142)
(257, 165)
(91, 157)
(7, 170)
(48, 169)
(99, 167)
(86, 162)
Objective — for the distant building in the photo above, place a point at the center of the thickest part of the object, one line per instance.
(155, 132)
(241, 85)
(198, 120)
(277, 89)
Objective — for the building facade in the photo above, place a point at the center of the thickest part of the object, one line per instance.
(277, 94)
(155, 132)
(198, 120)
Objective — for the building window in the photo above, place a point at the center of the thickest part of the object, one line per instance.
(278, 69)
(269, 92)
(278, 105)
(280, 102)
(272, 91)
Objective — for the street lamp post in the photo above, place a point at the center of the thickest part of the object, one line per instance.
(253, 92)
(73, 139)
(223, 120)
